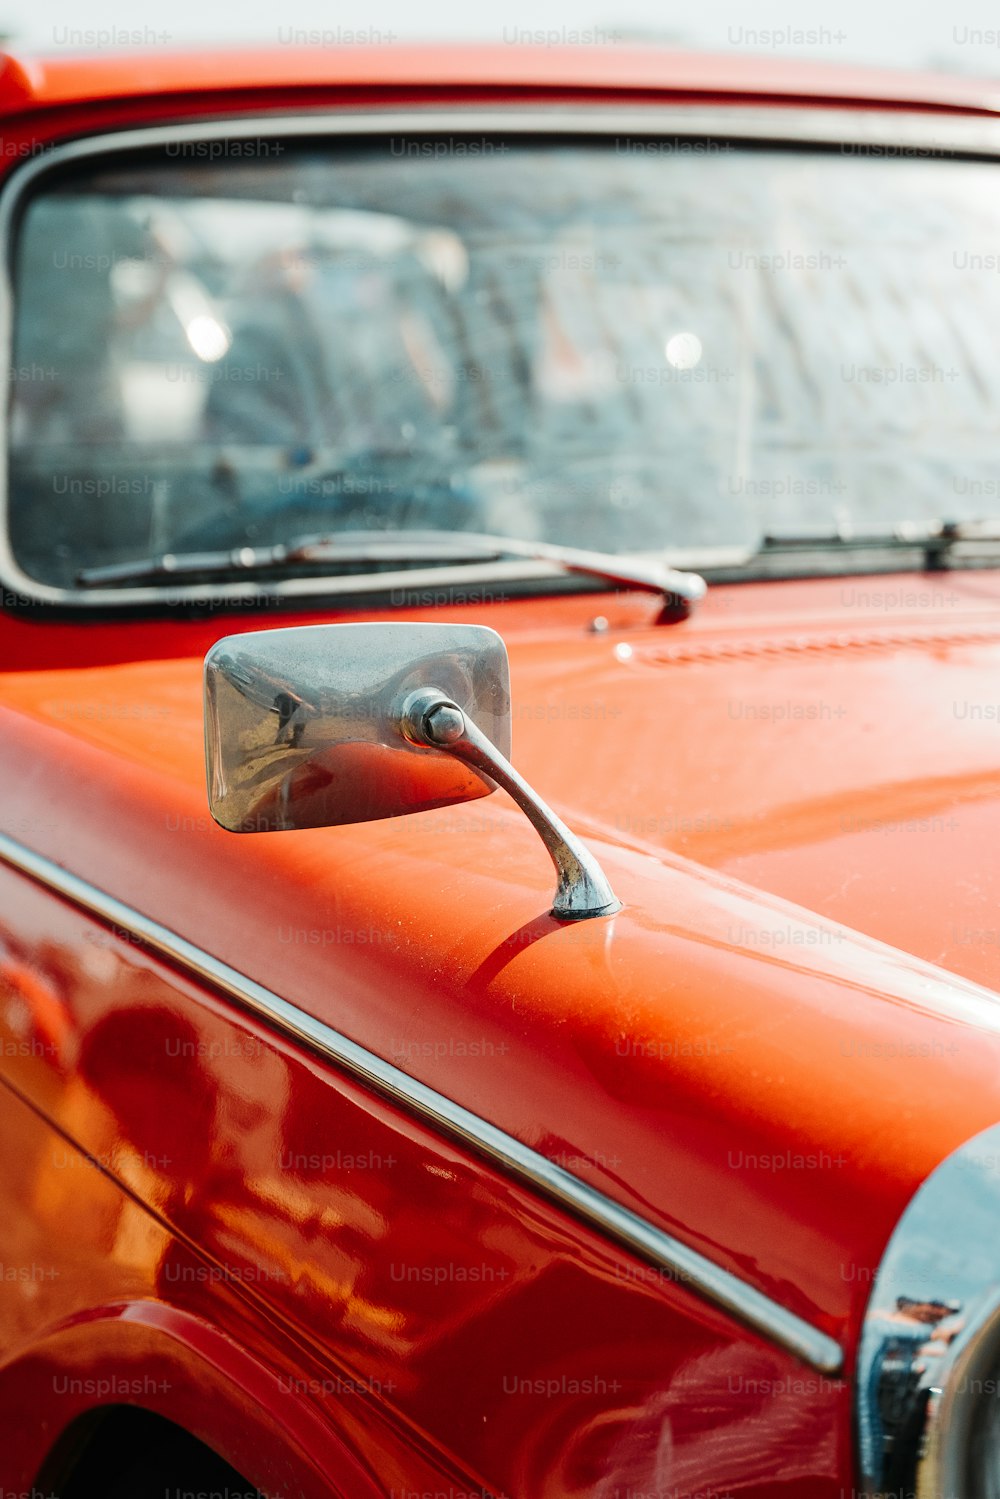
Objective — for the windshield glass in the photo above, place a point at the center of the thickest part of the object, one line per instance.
(623, 345)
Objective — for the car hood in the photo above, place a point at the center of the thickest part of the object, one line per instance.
(847, 758)
(796, 796)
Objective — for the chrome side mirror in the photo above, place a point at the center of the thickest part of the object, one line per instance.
(329, 724)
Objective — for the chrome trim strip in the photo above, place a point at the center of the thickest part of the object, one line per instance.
(682, 1264)
(903, 132)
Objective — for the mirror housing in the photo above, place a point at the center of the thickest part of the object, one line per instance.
(302, 725)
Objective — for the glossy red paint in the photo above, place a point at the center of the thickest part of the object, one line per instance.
(37, 84)
(327, 1292)
(450, 1326)
(678, 1056)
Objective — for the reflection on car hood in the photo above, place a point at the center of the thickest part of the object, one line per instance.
(723, 1056)
(850, 764)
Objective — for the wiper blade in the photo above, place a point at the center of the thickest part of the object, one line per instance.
(256, 559)
(933, 537)
(680, 590)
(170, 565)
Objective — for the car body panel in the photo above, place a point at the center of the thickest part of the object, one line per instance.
(352, 926)
(362, 1265)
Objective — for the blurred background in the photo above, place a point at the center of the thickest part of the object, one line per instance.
(963, 38)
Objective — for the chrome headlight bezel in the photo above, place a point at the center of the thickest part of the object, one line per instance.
(928, 1375)
(955, 1439)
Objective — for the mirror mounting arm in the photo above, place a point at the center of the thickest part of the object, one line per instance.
(430, 719)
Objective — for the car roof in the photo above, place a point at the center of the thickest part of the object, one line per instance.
(482, 72)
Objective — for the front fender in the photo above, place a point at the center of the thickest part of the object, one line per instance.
(174, 1364)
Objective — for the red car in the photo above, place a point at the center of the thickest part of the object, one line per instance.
(595, 1089)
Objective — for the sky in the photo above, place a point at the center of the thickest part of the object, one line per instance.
(963, 36)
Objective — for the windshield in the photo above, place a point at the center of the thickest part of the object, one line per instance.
(622, 345)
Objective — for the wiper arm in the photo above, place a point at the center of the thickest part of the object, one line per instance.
(680, 590)
(932, 537)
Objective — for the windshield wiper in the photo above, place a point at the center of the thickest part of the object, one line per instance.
(680, 590)
(935, 538)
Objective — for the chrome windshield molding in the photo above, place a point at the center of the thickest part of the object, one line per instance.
(929, 1360)
(904, 131)
(677, 1261)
